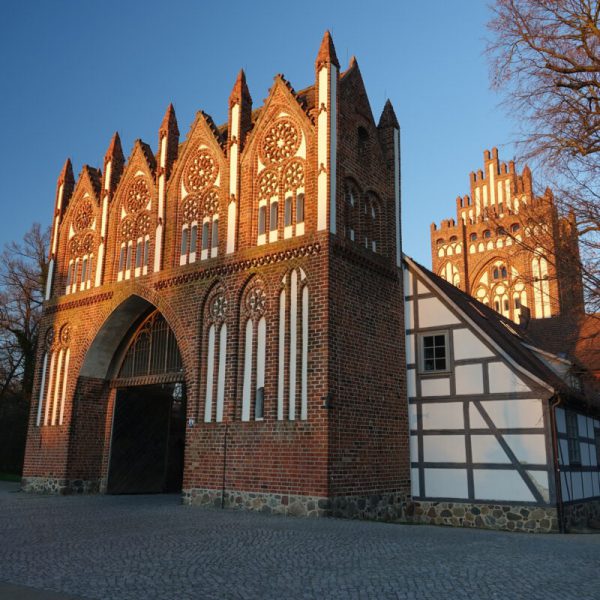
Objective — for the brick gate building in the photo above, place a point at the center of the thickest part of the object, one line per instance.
(224, 316)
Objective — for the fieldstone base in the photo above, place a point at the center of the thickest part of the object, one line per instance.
(378, 507)
(533, 519)
(53, 485)
(280, 504)
(582, 514)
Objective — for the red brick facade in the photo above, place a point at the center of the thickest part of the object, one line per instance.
(316, 274)
(508, 247)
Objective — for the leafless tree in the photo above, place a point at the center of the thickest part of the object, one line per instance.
(23, 271)
(545, 58)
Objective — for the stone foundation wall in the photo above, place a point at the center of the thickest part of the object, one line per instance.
(280, 504)
(379, 507)
(515, 517)
(582, 514)
(52, 485)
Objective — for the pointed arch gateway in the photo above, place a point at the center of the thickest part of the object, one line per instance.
(144, 370)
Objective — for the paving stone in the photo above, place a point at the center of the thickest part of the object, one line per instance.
(154, 547)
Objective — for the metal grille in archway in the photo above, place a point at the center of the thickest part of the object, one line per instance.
(152, 355)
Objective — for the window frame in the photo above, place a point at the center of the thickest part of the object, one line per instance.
(421, 346)
(573, 443)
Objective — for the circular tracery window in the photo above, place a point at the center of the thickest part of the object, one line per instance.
(138, 195)
(200, 172)
(280, 141)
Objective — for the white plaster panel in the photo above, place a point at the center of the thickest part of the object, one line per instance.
(411, 383)
(563, 452)
(493, 484)
(422, 288)
(469, 379)
(503, 379)
(433, 313)
(412, 416)
(442, 415)
(487, 449)
(409, 315)
(529, 448)
(446, 483)
(410, 349)
(408, 277)
(582, 425)
(540, 480)
(414, 448)
(513, 414)
(586, 458)
(561, 422)
(444, 448)
(468, 345)
(475, 418)
(435, 387)
(414, 482)
(576, 485)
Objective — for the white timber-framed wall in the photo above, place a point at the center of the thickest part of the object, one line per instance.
(480, 428)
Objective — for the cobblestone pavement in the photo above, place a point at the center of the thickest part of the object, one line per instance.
(150, 547)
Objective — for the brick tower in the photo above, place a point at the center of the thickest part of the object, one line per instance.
(508, 247)
(224, 315)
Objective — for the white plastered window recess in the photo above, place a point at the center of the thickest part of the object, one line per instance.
(146, 254)
(262, 223)
(193, 241)
(214, 246)
(273, 219)
(122, 255)
(183, 253)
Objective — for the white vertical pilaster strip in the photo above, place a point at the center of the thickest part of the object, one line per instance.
(397, 196)
(261, 345)
(246, 392)
(59, 202)
(210, 368)
(293, 343)
(304, 372)
(322, 122)
(49, 279)
(332, 165)
(158, 240)
(233, 178)
(57, 386)
(492, 174)
(64, 387)
(38, 419)
(49, 391)
(281, 372)
(221, 372)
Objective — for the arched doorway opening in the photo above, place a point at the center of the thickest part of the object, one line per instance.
(148, 428)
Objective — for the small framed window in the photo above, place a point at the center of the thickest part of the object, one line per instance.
(70, 274)
(504, 273)
(262, 219)
(517, 303)
(515, 227)
(259, 411)
(487, 233)
(573, 439)
(506, 304)
(473, 237)
(128, 260)
(300, 208)
(84, 269)
(496, 273)
(146, 251)
(434, 352)
(287, 213)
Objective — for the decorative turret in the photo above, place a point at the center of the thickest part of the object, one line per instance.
(327, 72)
(114, 161)
(240, 96)
(168, 141)
(389, 135)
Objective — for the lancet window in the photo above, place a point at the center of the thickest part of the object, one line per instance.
(253, 327)
(54, 379)
(200, 229)
(215, 353)
(541, 285)
(135, 230)
(281, 183)
(292, 376)
(82, 247)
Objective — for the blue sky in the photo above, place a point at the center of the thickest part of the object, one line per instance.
(75, 71)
